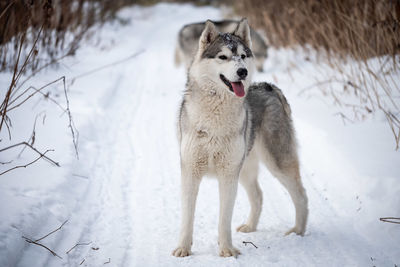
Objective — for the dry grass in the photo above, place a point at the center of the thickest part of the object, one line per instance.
(35, 35)
(361, 39)
(61, 25)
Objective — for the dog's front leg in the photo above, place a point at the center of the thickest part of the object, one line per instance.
(190, 187)
(227, 195)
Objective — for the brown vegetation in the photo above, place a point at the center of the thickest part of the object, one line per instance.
(362, 29)
(350, 33)
(61, 25)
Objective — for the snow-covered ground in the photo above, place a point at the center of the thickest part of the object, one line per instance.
(122, 195)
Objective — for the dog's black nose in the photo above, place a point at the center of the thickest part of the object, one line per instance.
(242, 73)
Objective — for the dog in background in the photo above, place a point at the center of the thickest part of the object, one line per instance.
(188, 39)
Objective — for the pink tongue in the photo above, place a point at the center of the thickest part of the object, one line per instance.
(238, 88)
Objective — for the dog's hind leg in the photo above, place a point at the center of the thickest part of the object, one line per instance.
(291, 180)
(248, 179)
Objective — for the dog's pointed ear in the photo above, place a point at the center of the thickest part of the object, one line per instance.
(243, 32)
(208, 35)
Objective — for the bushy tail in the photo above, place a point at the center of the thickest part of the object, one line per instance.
(283, 100)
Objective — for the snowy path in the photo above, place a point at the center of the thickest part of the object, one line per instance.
(123, 193)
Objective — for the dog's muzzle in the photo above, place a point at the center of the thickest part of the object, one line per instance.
(235, 87)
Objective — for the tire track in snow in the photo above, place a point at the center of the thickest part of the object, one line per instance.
(101, 214)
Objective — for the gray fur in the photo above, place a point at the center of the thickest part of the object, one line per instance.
(228, 40)
(268, 117)
(271, 121)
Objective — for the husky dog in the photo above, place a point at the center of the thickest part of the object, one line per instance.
(225, 128)
(188, 39)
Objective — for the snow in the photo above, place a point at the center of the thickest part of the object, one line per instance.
(123, 194)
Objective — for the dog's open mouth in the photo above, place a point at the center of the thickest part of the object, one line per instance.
(236, 87)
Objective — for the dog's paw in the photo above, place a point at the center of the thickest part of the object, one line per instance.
(229, 252)
(181, 252)
(296, 230)
(245, 228)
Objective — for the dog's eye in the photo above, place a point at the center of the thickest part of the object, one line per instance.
(243, 56)
(223, 57)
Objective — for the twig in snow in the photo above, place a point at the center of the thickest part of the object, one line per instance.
(249, 242)
(82, 262)
(390, 220)
(36, 242)
(52, 232)
(79, 244)
(107, 262)
(80, 176)
(41, 245)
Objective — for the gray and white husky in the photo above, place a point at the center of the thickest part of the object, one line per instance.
(225, 128)
(188, 39)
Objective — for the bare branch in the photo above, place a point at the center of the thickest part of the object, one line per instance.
(390, 220)
(80, 176)
(107, 262)
(71, 122)
(79, 244)
(15, 78)
(52, 232)
(7, 7)
(34, 149)
(36, 242)
(6, 122)
(37, 71)
(34, 93)
(74, 132)
(249, 242)
(29, 55)
(4, 104)
(26, 165)
(41, 245)
(33, 134)
(82, 262)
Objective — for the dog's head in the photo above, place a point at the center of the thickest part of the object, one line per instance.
(224, 60)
